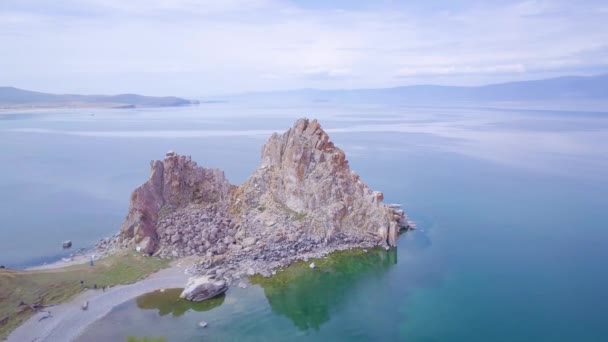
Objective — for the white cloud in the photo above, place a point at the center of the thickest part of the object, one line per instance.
(196, 47)
(462, 69)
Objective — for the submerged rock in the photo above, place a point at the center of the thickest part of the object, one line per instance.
(204, 287)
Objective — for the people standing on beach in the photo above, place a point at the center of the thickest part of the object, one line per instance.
(91, 262)
(82, 284)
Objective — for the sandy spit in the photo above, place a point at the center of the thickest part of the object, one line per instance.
(68, 321)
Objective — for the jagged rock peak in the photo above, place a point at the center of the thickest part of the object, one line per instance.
(174, 182)
(303, 190)
(304, 172)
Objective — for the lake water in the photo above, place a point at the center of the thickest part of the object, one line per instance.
(511, 205)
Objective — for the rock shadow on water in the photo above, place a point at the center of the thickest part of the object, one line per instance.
(168, 302)
(308, 296)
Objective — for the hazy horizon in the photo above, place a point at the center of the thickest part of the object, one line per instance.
(191, 48)
(218, 96)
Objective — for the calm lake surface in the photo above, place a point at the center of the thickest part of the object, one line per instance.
(511, 205)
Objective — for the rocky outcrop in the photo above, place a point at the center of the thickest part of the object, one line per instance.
(302, 199)
(304, 175)
(174, 183)
(201, 288)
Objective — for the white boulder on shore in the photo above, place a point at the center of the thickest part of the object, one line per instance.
(202, 288)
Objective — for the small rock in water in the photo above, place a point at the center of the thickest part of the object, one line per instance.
(242, 285)
(202, 324)
(312, 265)
(67, 244)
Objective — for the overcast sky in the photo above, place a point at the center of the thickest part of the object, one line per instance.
(192, 48)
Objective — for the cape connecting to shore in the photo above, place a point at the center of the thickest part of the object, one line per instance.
(67, 321)
(302, 202)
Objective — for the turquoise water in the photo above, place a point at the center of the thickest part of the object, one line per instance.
(510, 205)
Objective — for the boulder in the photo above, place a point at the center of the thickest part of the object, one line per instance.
(249, 241)
(205, 287)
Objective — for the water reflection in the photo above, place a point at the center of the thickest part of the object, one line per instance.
(308, 297)
(168, 302)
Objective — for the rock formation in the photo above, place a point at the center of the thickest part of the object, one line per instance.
(174, 184)
(201, 288)
(302, 198)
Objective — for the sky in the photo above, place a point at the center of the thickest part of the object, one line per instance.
(199, 48)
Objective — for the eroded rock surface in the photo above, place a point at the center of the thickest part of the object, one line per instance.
(175, 183)
(302, 200)
(201, 288)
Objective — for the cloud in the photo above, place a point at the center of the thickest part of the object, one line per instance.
(462, 69)
(188, 47)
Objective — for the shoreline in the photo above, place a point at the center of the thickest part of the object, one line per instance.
(68, 320)
(77, 259)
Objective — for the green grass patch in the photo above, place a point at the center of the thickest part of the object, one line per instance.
(55, 286)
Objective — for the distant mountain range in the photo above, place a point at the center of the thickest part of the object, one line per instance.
(561, 88)
(11, 97)
(552, 90)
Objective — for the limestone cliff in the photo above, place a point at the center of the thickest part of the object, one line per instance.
(302, 196)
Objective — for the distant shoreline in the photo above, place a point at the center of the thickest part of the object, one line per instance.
(34, 109)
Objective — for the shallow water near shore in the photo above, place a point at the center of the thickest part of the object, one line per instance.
(510, 206)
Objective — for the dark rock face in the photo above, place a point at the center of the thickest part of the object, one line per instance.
(302, 197)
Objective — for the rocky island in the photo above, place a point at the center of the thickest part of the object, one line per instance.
(303, 201)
